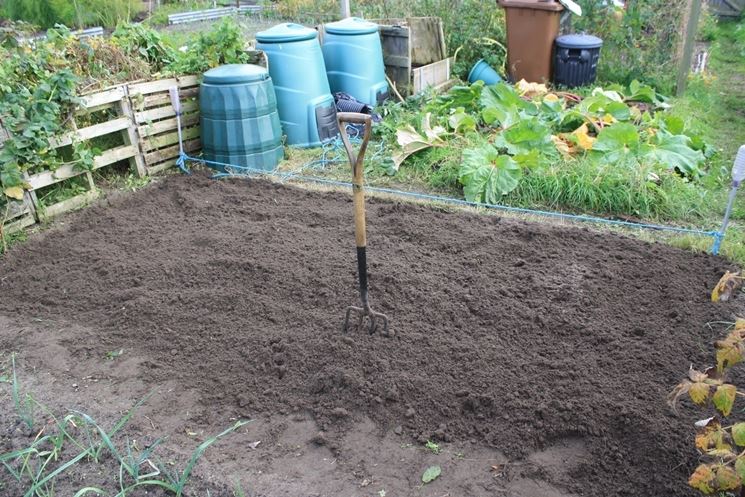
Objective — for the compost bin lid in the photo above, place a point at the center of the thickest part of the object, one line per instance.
(551, 5)
(578, 41)
(231, 74)
(351, 26)
(288, 31)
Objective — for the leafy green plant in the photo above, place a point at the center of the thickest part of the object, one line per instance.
(137, 39)
(37, 466)
(722, 445)
(519, 133)
(223, 45)
(433, 447)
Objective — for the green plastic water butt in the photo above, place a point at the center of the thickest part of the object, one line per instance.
(354, 59)
(306, 107)
(238, 117)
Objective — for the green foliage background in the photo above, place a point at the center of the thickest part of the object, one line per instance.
(73, 13)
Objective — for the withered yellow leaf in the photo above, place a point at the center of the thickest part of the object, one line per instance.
(703, 479)
(15, 192)
(584, 140)
(699, 393)
(726, 287)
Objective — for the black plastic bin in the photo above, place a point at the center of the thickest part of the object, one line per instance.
(576, 59)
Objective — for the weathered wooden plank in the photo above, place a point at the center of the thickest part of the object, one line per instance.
(90, 132)
(426, 45)
(46, 178)
(164, 140)
(396, 60)
(158, 99)
(164, 112)
(67, 205)
(161, 166)
(19, 224)
(15, 208)
(131, 137)
(162, 85)
(103, 98)
(157, 156)
(156, 128)
(430, 75)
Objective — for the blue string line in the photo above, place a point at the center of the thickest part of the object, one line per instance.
(249, 171)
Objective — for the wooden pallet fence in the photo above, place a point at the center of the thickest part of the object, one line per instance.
(139, 122)
(118, 127)
(155, 120)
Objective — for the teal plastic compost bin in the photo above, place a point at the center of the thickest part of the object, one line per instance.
(354, 59)
(306, 107)
(238, 118)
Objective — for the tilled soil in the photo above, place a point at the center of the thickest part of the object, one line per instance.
(509, 335)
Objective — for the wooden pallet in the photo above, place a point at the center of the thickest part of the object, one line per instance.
(155, 120)
(414, 53)
(115, 101)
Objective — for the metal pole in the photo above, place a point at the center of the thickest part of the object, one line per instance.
(345, 9)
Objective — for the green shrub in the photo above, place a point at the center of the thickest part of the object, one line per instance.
(224, 44)
(639, 42)
(78, 13)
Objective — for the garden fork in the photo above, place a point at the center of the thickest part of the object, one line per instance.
(376, 319)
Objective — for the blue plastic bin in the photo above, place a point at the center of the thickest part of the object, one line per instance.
(306, 107)
(354, 60)
(238, 118)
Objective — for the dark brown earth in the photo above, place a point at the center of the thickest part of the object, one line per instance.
(544, 349)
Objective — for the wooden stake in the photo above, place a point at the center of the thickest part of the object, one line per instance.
(693, 13)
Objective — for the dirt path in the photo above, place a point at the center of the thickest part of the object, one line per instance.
(540, 357)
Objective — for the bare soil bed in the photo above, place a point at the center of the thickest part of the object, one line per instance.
(538, 356)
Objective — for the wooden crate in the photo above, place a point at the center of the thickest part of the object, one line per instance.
(155, 120)
(414, 53)
(113, 100)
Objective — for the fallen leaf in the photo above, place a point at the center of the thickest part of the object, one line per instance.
(551, 97)
(531, 89)
(562, 146)
(726, 287)
(699, 393)
(431, 474)
(584, 140)
(15, 192)
(703, 479)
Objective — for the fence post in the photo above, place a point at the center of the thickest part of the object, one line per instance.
(693, 12)
(131, 137)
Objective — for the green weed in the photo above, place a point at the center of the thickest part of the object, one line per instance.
(37, 466)
(433, 447)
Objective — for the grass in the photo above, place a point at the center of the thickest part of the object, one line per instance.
(78, 441)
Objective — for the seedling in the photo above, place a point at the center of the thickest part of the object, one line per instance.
(113, 354)
(433, 447)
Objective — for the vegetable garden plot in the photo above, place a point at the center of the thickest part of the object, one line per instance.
(516, 336)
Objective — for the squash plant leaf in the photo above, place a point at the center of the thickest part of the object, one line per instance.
(486, 175)
(675, 152)
(617, 142)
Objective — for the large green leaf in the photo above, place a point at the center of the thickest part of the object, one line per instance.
(503, 105)
(526, 136)
(600, 104)
(617, 142)
(486, 175)
(675, 152)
